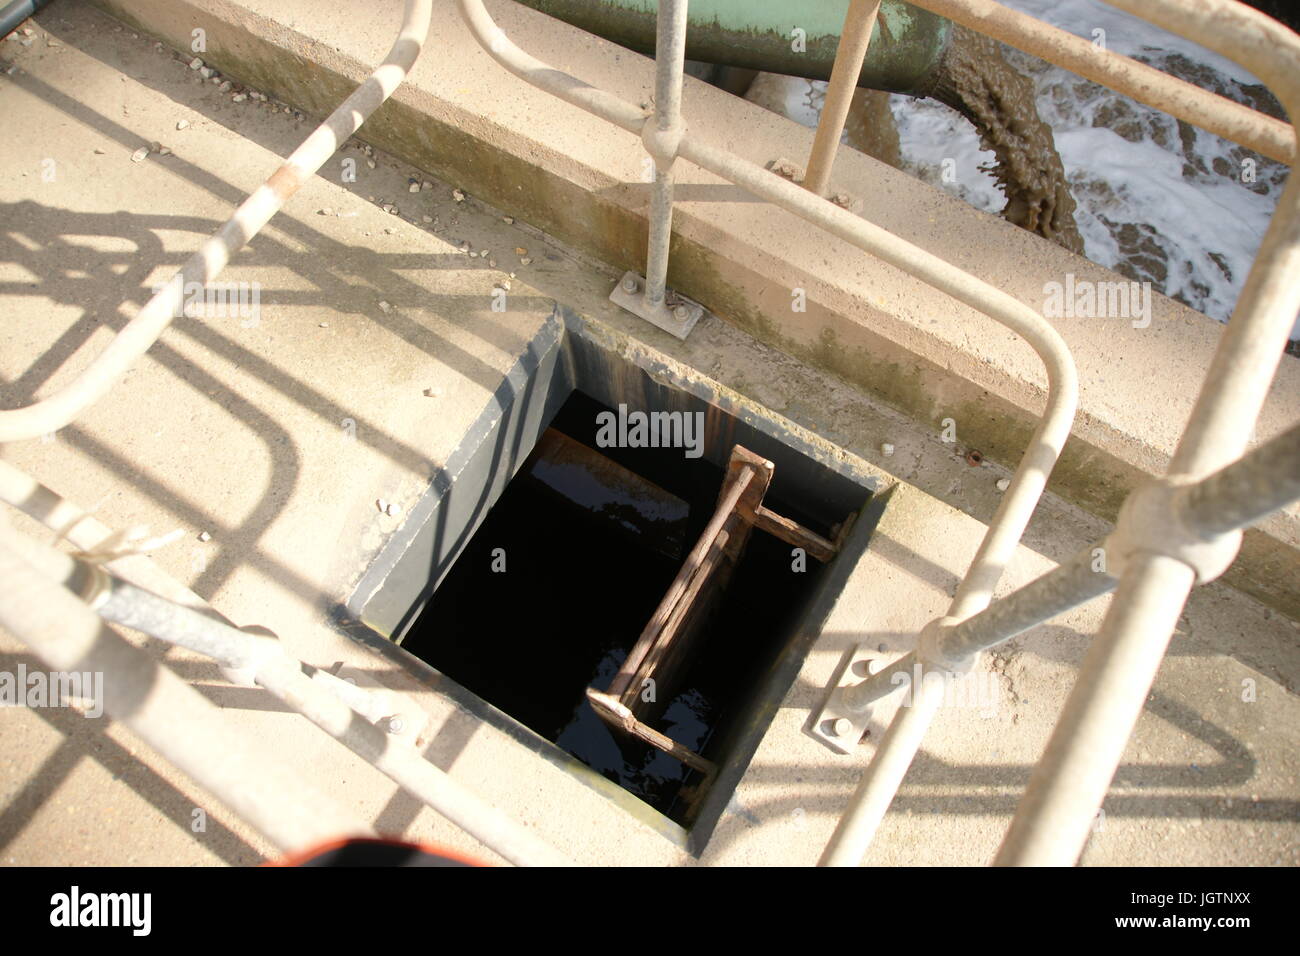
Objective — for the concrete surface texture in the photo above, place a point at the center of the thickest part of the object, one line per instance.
(376, 346)
(465, 119)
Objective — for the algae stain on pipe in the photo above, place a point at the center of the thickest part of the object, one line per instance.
(906, 45)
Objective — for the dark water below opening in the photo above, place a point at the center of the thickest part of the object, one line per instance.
(577, 590)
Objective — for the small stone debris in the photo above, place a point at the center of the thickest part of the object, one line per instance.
(207, 72)
(786, 169)
(225, 86)
(196, 64)
(140, 154)
(53, 43)
(525, 261)
(239, 98)
(412, 187)
(26, 31)
(370, 163)
(508, 220)
(384, 306)
(457, 195)
(164, 151)
(325, 211)
(520, 251)
(492, 263)
(388, 230)
(204, 536)
(426, 185)
(182, 124)
(464, 247)
(98, 151)
(504, 283)
(886, 449)
(324, 325)
(388, 208)
(426, 219)
(1004, 484)
(433, 392)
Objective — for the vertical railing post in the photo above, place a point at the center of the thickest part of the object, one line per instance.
(661, 136)
(1067, 787)
(849, 55)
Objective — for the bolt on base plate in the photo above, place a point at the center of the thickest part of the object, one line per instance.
(835, 725)
(676, 315)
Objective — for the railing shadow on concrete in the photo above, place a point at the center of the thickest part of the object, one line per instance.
(1165, 549)
(1158, 572)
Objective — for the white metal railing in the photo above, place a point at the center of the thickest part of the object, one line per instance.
(1159, 549)
(173, 718)
(1172, 533)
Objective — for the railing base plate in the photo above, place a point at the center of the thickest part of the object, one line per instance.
(825, 725)
(664, 316)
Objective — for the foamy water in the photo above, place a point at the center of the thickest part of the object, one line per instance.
(1157, 200)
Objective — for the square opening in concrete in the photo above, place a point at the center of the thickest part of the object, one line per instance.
(541, 553)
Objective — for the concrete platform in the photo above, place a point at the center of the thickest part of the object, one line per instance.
(464, 119)
(276, 438)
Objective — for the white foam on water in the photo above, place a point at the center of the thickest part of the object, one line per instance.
(1197, 225)
(1125, 33)
(804, 99)
(1199, 217)
(934, 138)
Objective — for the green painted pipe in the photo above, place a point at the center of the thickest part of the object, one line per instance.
(905, 49)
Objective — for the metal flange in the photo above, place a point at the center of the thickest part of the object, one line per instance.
(835, 725)
(676, 315)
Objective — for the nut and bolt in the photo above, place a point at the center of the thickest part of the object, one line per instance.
(841, 727)
(681, 313)
(394, 724)
(630, 285)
